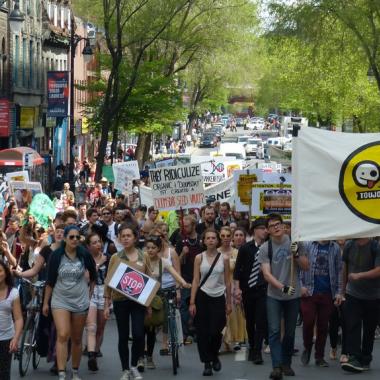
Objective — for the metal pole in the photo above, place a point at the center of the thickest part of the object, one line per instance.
(71, 126)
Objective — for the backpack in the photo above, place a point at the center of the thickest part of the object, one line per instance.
(157, 318)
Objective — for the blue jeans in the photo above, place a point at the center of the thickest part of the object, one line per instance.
(282, 352)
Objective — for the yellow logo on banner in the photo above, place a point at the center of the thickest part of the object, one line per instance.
(359, 182)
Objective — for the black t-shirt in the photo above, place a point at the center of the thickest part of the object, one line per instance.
(45, 253)
(187, 261)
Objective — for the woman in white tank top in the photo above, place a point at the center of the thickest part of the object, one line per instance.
(210, 301)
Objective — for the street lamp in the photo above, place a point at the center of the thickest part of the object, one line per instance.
(16, 18)
(87, 55)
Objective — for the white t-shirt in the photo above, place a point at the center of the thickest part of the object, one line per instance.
(7, 329)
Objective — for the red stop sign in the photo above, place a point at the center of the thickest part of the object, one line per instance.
(132, 283)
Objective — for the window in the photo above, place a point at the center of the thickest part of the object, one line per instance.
(24, 62)
(31, 64)
(38, 66)
(16, 60)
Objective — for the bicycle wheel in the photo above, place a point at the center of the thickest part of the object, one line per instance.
(36, 356)
(173, 344)
(26, 347)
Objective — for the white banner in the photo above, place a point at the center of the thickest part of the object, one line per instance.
(336, 188)
(223, 192)
(124, 173)
(177, 186)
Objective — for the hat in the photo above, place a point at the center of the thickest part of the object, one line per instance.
(259, 222)
(104, 179)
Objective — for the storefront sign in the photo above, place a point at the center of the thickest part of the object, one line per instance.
(4, 118)
(58, 93)
(27, 117)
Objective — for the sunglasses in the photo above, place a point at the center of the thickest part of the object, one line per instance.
(106, 213)
(72, 237)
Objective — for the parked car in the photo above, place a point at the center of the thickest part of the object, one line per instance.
(252, 146)
(240, 122)
(243, 140)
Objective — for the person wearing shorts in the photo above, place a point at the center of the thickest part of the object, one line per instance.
(95, 319)
(69, 290)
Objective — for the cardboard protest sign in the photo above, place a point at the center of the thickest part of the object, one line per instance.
(177, 186)
(243, 182)
(22, 175)
(133, 284)
(24, 192)
(219, 169)
(124, 173)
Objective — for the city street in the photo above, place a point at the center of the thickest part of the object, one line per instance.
(235, 366)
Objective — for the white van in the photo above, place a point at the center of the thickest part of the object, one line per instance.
(278, 142)
(232, 150)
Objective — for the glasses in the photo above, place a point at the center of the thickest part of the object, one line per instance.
(275, 225)
(225, 236)
(106, 213)
(72, 237)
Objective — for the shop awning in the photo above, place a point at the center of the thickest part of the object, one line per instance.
(15, 156)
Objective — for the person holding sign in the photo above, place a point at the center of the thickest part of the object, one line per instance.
(126, 309)
(278, 257)
(210, 300)
(157, 265)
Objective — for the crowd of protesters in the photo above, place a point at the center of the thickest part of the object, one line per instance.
(236, 283)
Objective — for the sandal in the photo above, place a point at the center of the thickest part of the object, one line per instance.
(187, 341)
(164, 352)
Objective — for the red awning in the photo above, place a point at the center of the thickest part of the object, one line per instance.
(15, 156)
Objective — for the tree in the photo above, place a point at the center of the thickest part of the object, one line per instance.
(138, 31)
(317, 64)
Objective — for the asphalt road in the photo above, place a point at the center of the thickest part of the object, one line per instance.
(235, 366)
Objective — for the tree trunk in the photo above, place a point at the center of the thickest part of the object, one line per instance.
(139, 153)
(148, 141)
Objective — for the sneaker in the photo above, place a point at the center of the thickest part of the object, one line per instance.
(333, 354)
(216, 365)
(125, 375)
(141, 365)
(343, 359)
(99, 354)
(352, 365)
(208, 369)
(366, 367)
(150, 363)
(257, 358)
(92, 362)
(75, 377)
(321, 363)
(305, 357)
(61, 375)
(135, 374)
(276, 374)
(287, 370)
(237, 347)
(267, 349)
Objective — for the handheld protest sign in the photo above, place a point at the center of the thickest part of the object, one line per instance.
(43, 210)
(133, 284)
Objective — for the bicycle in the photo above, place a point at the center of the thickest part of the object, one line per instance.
(174, 344)
(28, 346)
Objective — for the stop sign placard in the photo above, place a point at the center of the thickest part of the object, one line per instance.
(132, 283)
